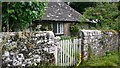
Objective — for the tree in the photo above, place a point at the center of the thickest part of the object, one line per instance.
(80, 6)
(118, 18)
(107, 13)
(17, 16)
(0, 17)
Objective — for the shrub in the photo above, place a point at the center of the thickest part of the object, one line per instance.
(74, 29)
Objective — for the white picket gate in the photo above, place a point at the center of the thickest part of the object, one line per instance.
(66, 52)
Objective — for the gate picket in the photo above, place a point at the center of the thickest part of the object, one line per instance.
(66, 54)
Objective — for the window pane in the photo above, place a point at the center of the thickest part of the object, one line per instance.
(54, 27)
(58, 28)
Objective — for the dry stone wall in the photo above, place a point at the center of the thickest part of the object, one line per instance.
(27, 48)
(97, 43)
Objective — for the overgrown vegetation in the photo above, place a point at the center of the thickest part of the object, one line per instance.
(74, 29)
(110, 59)
(43, 65)
(107, 13)
(17, 16)
(67, 37)
(82, 5)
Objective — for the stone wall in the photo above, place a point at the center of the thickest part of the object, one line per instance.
(97, 43)
(27, 48)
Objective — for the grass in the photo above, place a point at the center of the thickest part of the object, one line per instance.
(66, 37)
(110, 59)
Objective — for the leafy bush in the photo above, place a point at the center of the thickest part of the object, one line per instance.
(109, 16)
(19, 15)
(74, 29)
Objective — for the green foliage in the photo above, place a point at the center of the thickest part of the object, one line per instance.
(66, 37)
(107, 13)
(74, 29)
(78, 57)
(111, 59)
(90, 52)
(80, 6)
(19, 15)
(43, 65)
(46, 27)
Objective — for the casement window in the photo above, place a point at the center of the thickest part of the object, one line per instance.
(58, 28)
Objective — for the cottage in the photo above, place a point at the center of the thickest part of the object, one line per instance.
(59, 15)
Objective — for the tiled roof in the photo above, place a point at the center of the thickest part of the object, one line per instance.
(59, 11)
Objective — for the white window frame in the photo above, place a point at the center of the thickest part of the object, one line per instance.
(60, 28)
